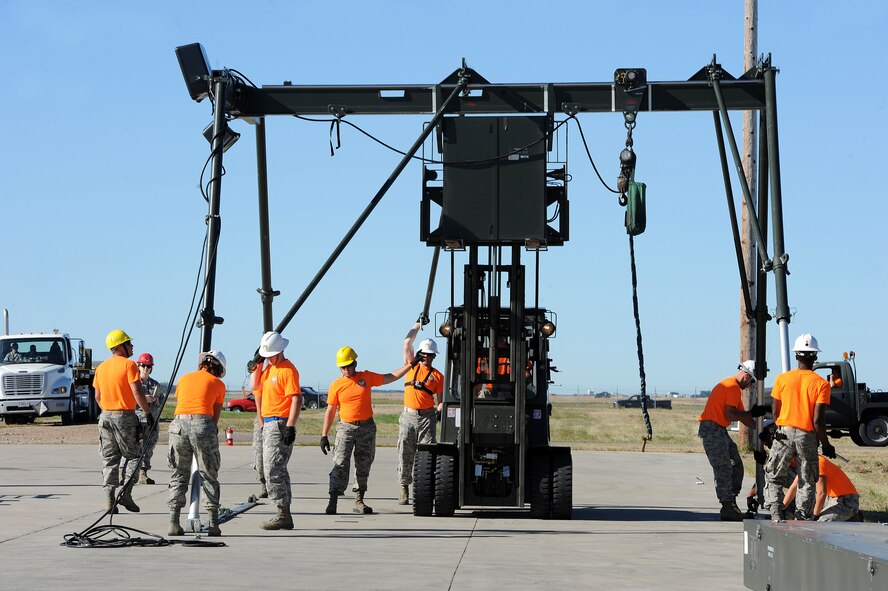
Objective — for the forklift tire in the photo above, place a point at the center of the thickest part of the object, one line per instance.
(423, 483)
(540, 485)
(562, 486)
(445, 486)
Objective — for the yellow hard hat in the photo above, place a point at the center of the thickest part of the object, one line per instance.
(345, 356)
(116, 338)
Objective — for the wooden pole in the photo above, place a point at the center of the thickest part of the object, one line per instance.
(747, 243)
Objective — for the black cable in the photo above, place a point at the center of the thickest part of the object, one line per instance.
(431, 160)
(589, 154)
(644, 407)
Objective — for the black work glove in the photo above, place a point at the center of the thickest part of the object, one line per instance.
(828, 451)
(150, 421)
(325, 444)
(752, 504)
(438, 416)
(759, 410)
(290, 436)
(760, 456)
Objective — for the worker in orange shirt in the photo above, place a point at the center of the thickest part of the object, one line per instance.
(118, 389)
(836, 496)
(723, 407)
(275, 384)
(194, 433)
(800, 400)
(350, 395)
(835, 378)
(423, 400)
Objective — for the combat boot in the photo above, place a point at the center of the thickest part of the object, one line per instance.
(213, 528)
(109, 499)
(360, 507)
(127, 500)
(175, 528)
(144, 478)
(404, 497)
(331, 506)
(283, 520)
(730, 511)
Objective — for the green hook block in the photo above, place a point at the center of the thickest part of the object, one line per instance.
(635, 208)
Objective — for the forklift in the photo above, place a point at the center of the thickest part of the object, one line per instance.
(498, 196)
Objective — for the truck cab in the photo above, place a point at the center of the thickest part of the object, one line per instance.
(854, 409)
(45, 374)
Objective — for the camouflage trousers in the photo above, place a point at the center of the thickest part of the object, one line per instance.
(841, 508)
(147, 441)
(413, 429)
(801, 445)
(727, 465)
(275, 456)
(118, 443)
(194, 437)
(257, 450)
(360, 438)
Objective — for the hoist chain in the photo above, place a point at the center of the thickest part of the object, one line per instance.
(627, 160)
(644, 399)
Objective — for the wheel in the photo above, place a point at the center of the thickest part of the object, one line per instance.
(236, 409)
(445, 485)
(854, 432)
(312, 404)
(562, 486)
(423, 482)
(540, 493)
(874, 430)
(68, 417)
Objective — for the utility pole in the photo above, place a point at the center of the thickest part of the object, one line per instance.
(747, 242)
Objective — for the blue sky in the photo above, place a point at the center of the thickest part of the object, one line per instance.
(102, 150)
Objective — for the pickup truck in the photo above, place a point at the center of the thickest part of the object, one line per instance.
(854, 410)
(635, 402)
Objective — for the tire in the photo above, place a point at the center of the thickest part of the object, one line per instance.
(540, 493)
(312, 404)
(423, 483)
(445, 485)
(562, 486)
(68, 418)
(874, 430)
(854, 432)
(236, 409)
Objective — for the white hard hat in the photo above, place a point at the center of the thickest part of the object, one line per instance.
(806, 343)
(748, 366)
(272, 343)
(428, 346)
(218, 356)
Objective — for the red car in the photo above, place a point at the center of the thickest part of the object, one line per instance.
(247, 404)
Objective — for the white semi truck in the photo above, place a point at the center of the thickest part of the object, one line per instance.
(45, 374)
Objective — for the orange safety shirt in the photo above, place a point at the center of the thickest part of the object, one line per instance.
(798, 391)
(113, 379)
(277, 386)
(503, 366)
(837, 482)
(352, 395)
(419, 398)
(197, 393)
(725, 393)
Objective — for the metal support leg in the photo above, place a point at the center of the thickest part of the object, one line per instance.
(214, 223)
(266, 292)
(761, 306)
(780, 256)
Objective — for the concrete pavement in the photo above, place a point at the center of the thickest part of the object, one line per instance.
(641, 521)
